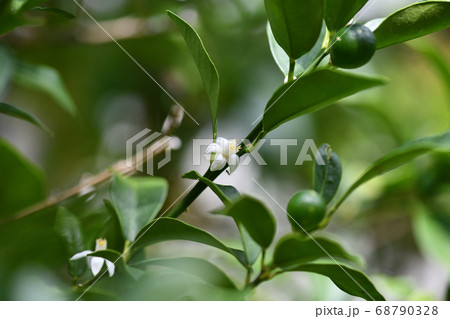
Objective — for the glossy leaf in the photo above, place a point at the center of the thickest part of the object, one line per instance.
(7, 63)
(312, 93)
(197, 267)
(339, 12)
(137, 201)
(45, 79)
(18, 173)
(327, 177)
(431, 236)
(68, 228)
(167, 229)
(401, 156)
(251, 248)
(255, 217)
(412, 22)
(294, 250)
(18, 113)
(55, 11)
(296, 24)
(349, 280)
(304, 62)
(206, 67)
(225, 193)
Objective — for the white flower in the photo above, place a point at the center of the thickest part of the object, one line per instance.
(225, 153)
(96, 263)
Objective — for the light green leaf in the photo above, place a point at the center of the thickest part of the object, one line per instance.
(251, 248)
(414, 21)
(225, 193)
(55, 11)
(400, 156)
(255, 217)
(294, 250)
(7, 64)
(432, 238)
(304, 62)
(339, 12)
(167, 229)
(349, 280)
(18, 173)
(206, 67)
(45, 79)
(137, 201)
(68, 229)
(296, 24)
(313, 92)
(197, 267)
(18, 113)
(327, 177)
(20, 6)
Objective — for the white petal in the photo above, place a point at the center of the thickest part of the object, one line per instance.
(111, 267)
(213, 148)
(219, 163)
(96, 265)
(81, 254)
(224, 144)
(233, 162)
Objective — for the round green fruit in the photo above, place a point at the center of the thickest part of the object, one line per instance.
(353, 47)
(306, 210)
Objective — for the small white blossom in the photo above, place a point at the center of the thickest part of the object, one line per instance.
(96, 263)
(225, 152)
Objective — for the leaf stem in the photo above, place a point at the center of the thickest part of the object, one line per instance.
(291, 74)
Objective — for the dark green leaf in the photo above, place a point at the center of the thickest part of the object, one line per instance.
(22, 182)
(45, 79)
(431, 236)
(304, 62)
(206, 67)
(414, 21)
(167, 229)
(7, 63)
(293, 250)
(224, 192)
(255, 217)
(55, 11)
(401, 156)
(18, 113)
(313, 92)
(339, 12)
(296, 24)
(68, 228)
(327, 177)
(349, 280)
(137, 201)
(110, 254)
(20, 6)
(200, 268)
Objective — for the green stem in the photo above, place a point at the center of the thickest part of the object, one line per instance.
(291, 73)
(255, 135)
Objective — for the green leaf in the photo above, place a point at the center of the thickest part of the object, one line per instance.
(339, 12)
(296, 24)
(18, 113)
(206, 67)
(327, 177)
(22, 182)
(251, 248)
(7, 64)
(197, 267)
(20, 6)
(255, 217)
(349, 280)
(110, 254)
(55, 11)
(137, 201)
(431, 236)
(400, 156)
(167, 229)
(303, 63)
(293, 250)
(414, 21)
(45, 79)
(313, 92)
(225, 193)
(68, 229)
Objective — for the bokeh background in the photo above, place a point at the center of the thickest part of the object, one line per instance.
(383, 221)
